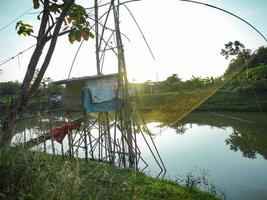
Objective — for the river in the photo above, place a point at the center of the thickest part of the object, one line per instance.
(228, 149)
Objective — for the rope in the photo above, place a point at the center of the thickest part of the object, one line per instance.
(18, 61)
(140, 31)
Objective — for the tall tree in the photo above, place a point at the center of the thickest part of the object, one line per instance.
(173, 82)
(54, 13)
(237, 50)
(232, 49)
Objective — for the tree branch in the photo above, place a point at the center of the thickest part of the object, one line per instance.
(51, 47)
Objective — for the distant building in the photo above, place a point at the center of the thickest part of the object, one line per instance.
(147, 87)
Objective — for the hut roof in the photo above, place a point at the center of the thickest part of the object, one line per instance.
(85, 78)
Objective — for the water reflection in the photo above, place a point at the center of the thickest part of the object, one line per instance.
(248, 129)
(211, 141)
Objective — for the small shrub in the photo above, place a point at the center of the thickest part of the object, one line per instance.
(199, 179)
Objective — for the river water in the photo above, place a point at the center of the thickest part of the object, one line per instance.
(230, 149)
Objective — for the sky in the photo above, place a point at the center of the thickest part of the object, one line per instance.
(185, 38)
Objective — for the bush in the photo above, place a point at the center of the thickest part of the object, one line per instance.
(260, 85)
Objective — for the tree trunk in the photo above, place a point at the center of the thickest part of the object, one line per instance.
(20, 101)
(28, 89)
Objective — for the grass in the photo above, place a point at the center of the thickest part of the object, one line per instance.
(174, 104)
(31, 175)
(172, 100)
(229, 100)
(184, 101)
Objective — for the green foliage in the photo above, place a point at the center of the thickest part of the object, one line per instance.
(240, 98)
(5, 101)
(260, 85)
(55, 8)
(199, 180)
(39, 101)
(36, 4)
(178, 104)
(24, 29)
(233, 49)
(9, 88)
(235, 66)
(76, 20)
(172, 83)
(255, 73)
(260, 57)
(173, 79)
(30, 175)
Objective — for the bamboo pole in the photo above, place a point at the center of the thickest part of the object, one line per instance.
(85, 144)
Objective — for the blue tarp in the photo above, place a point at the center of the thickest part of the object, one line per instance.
(90, 107)
(103, 90)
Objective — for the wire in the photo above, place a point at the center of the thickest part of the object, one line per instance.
(218, 8)
(105, 4)
(14, 20)
(221, 9)
(11, 58)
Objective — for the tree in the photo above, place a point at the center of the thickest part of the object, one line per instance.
(9, 88)
(54, 13)
(241, 54)
(232, 49)
(174, 78)
(260, 57)
(173, 82)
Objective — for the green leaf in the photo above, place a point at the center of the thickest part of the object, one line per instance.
(36, 4)
(18, 24)
(54, 8)
(78, 35)
(24, 29)
(71, 37)
(28, 25)
(91, 35)
(19, 32)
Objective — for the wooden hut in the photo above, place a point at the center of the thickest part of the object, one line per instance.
(98, 93)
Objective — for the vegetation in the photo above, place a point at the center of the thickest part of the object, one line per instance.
(52, 17)
(45, 97)
(26, 174)
(244, 92)
(242, 88)
(30, 175)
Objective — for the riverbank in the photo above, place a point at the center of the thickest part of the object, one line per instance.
(229, 100)
(184, 101)
(31, 175)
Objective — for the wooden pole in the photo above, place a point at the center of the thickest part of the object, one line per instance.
(52, 139)
(85, 143)
(124, 84)
(97, 39)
